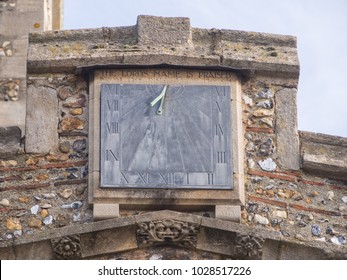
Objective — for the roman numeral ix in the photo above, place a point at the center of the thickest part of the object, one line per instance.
(111, 155)
(219, 130)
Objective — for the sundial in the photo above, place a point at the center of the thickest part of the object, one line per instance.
(165, 136)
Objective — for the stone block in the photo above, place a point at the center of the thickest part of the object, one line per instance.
(41, 120)
(7, 253)
(290, 251)
(41, 250)
(324, 155)
(106, 211)
(216, 241)
(108, 241)
(10, 138)
(287, 129)
(153, 31)
(228, 213)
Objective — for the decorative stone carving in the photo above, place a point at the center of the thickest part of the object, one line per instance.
(248, 247)
(167, 231)
(67, 248)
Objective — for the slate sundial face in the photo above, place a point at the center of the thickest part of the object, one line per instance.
(165, 136)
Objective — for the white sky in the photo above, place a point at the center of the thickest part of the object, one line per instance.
(320, 27)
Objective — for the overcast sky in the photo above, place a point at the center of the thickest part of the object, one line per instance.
(319, 25)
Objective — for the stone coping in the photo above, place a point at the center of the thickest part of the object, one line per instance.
(324, 155)
(175, 43)
(320, 138)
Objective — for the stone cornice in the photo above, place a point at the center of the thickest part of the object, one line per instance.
(163, 228)
(156, 41)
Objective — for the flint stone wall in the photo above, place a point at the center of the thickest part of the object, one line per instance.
(43, 185)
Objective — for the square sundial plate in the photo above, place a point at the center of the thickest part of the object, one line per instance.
(191, 154)
(186, 145)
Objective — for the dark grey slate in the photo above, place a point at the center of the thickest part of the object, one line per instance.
(187, 146)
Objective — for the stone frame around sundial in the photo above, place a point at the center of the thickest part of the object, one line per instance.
(135, 184)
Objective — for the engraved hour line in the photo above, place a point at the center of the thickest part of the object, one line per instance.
(113, 127)
(219, 129)
(112, 105)
(194, 146)
(108, 152)
(198, 127)
(221, 157)
(210, 178)
(187, 178)
(144, 177)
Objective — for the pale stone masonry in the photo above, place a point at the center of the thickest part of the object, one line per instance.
(287, 129)
(17, 19)
(41, 120)
(289, 199)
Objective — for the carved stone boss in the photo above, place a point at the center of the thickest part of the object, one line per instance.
(248, 247)
(67, 247)
(165, 136)
(167, 231)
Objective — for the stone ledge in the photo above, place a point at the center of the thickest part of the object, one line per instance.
(194, 233)
(129, 46)
(324, 155)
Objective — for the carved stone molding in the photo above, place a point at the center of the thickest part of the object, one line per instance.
(167, 231)
(67, 248)
(248, 247)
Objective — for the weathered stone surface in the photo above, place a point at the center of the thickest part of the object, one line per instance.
(214, 236)
(153, 30)
(76, 111)
(35, 251)
(10, 138)
(13, 224)
(41, 120)
(148, 41)
(267, 164)
(228, 213)
(212, 240)
(65, 147)
(108, 241)
(72, 123)
(287, 129)
(75, 102)
(324, 155)
(105, 211)
(262, 113)
(64, 92)
(79, 145)
(4, 202)
(261, 220)
(34, 222)
(300, 252)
